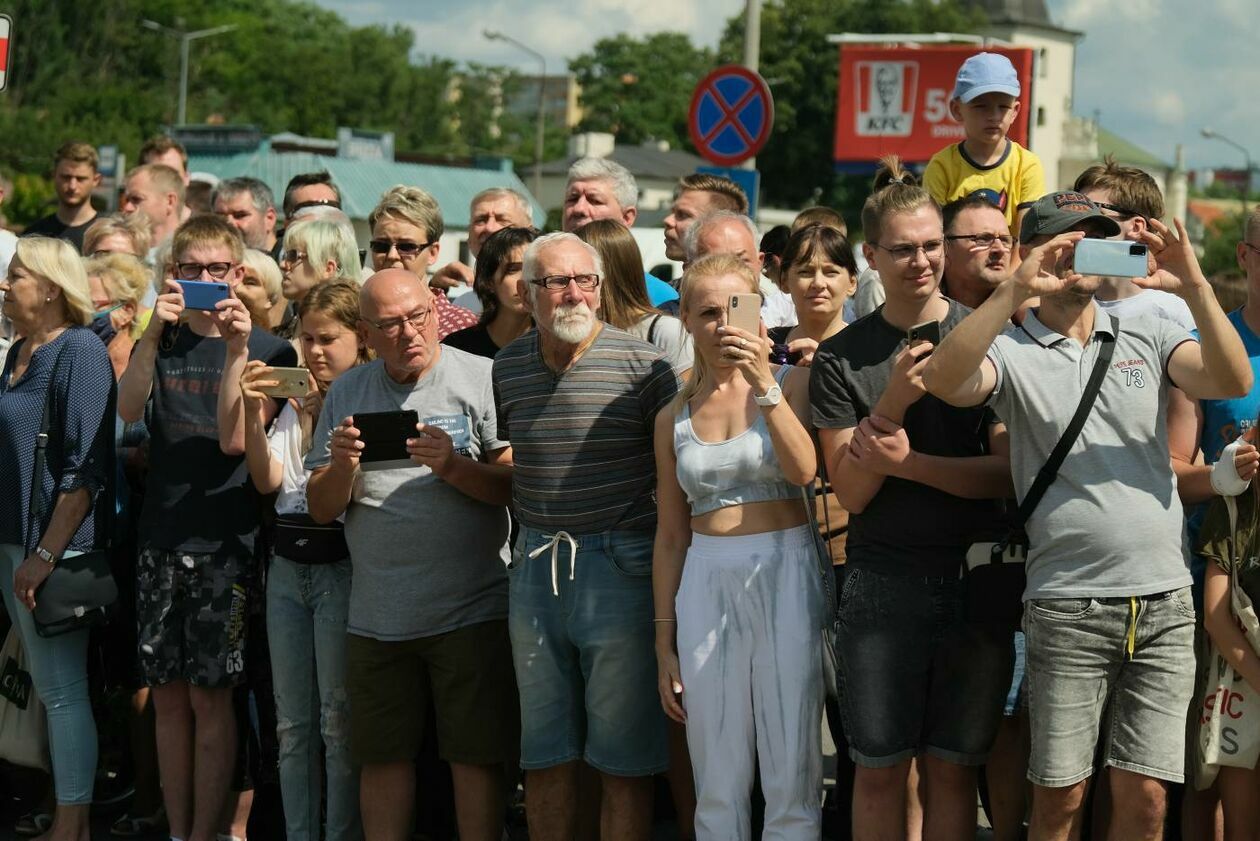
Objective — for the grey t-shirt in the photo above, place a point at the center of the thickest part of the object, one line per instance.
(427, 559)
(1110, 523)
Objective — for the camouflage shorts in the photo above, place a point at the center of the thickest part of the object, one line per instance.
(192, 615)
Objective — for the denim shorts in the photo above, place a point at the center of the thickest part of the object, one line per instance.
(1083, 684)
(580, 616)
(915, 676)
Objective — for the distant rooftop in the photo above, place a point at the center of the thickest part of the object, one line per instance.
(1125, 152)
(646, 161)
(1025, 12)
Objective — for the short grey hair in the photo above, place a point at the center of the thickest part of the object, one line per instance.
(533, 254)
(624, 188)
(522, 203)
(259, 193)
(691, 239)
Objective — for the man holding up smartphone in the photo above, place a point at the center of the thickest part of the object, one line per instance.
(1108, 614)
(428, 546)
(199, 519)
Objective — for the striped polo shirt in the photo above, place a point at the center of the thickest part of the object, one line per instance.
(582, 440)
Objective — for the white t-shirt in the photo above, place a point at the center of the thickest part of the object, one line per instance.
(466, 299)
(777, 309)
(286, 448)
(1154, 302)
(668, 334)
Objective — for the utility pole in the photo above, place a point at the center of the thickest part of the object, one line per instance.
(752, 49)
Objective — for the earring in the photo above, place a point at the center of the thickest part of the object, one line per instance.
(48, 300)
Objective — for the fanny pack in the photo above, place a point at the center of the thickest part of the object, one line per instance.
(995, 570)
(300, 539)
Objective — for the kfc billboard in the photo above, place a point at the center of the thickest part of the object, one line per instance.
(895, 100)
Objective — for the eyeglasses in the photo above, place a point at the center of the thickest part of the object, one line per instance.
(192, 271)
(393, 327)
(1251, 247)
(1121, 213)
(293, 256)
(983, 242)
(405, 248)
(560, 282)
(905, 253)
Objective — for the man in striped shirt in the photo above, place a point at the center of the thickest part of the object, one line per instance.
(577, 399)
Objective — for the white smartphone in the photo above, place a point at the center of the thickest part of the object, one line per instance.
(1110, 258)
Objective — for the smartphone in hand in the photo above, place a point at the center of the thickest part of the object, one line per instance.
(928, 331)
(203, 295)
(384, 436)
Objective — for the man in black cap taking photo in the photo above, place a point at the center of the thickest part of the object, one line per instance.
(1107, 608)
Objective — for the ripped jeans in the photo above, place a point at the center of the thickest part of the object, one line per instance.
(307, 607)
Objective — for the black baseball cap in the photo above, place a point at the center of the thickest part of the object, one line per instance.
(1055, 213)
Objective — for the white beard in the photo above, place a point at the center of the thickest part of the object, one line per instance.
(573, 323)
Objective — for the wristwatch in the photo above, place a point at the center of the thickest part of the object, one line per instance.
(46, 556)
(771, 398)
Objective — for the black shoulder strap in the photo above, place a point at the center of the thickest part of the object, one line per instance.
(652, 329)
(36, 508)
(1051, 469)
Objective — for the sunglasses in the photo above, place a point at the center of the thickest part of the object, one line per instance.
(405, 248)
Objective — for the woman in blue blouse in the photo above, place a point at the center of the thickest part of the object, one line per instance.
(46, 297)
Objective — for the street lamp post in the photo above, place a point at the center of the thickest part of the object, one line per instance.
(1212, 134)
(542, 111)
(185, 38)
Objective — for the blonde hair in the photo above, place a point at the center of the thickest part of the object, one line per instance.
(322, 241)
(268, 272)
(133, 227)
(412, 205)
(162, 178)
(123, 276)
(895, 190)
(205, 231)
(710, 266)
(57, 262)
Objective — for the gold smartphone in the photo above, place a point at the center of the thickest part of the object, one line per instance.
(291, 382)
(744, 311)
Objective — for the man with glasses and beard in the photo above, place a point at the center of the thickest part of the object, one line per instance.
(577, 399)
(428, 541)
(978, 247)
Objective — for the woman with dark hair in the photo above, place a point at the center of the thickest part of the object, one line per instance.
(624, 301)
(820, 273)
(496, 284)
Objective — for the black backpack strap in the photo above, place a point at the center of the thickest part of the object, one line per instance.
(652, 329)
(1050, 471)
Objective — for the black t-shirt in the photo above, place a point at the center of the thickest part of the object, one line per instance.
(907, 527)
(51, 226)
(475, 339)
(198, 499)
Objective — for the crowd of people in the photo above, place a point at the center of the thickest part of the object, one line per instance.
(551, 524)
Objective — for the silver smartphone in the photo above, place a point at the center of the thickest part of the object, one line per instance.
(1110, 258)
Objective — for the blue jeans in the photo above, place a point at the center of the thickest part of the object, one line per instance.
(585, 652)
(59, 671)
(307, 606)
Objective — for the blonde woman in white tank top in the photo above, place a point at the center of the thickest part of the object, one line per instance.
(738, 600)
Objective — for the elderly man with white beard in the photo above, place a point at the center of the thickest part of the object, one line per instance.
(577, 399)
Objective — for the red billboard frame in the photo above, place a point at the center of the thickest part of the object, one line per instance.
(895, 100)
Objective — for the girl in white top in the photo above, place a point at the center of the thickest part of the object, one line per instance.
(623, 297)
(739, 599)
(308, 580)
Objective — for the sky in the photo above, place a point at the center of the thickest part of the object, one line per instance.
(1156, 71)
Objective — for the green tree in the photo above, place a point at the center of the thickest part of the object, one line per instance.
(1220, 242)
(797, 164)
(640, 88)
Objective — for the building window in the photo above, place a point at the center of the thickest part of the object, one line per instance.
(1041, 63)
(1041, 115)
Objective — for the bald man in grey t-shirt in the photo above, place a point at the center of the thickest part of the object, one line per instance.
(1108, 614)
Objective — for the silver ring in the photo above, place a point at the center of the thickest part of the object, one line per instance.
(743, 343)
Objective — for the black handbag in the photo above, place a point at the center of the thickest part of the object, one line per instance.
(77, 592)
(995, 570)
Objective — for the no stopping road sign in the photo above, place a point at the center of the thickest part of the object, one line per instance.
(731, 115)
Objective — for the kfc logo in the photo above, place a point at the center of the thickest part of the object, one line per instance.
(886, 96)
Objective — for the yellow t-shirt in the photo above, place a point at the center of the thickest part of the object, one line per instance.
(1017, 179)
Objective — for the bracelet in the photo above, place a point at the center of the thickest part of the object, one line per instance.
(665, 620)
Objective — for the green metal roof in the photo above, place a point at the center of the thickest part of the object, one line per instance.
(363, 182)
(1125, 152)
